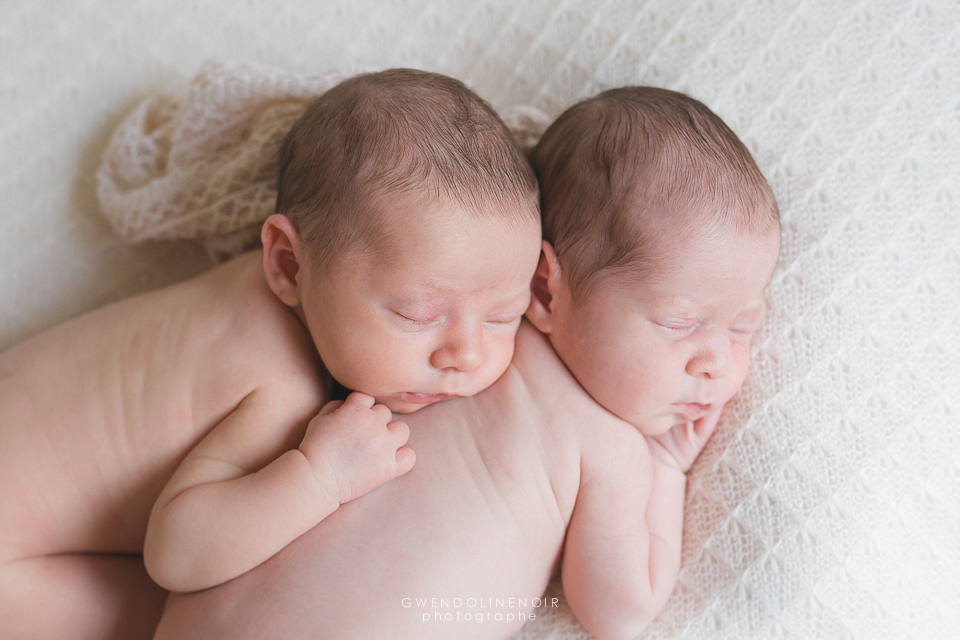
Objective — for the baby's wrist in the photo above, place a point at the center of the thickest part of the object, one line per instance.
(323, 481)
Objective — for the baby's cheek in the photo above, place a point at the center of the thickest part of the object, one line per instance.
(501, 354)
(740, 353)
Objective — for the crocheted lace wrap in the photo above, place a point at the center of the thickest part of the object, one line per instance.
(204, 167)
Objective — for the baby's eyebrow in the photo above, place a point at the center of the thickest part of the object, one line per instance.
(523, 295)
(517, 301)
(420, 298)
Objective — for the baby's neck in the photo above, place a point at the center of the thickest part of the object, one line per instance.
(550, 383)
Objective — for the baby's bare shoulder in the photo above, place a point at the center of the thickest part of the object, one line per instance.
(556, 391)
(265, 337)
(616, 450)
(602, 440)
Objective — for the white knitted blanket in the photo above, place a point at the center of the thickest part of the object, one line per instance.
(828, 503)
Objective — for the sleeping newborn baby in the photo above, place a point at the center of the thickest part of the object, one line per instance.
(399, 264)
(661, 235)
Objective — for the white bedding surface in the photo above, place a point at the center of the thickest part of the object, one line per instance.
(828, 504)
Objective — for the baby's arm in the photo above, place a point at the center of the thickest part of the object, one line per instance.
(244, 493)
(622, 552)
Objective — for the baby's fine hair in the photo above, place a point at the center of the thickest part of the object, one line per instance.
(377, 135)
(619, 170)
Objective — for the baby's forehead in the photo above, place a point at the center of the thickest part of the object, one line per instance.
(685, 265)
(445, 245)
(404, 214)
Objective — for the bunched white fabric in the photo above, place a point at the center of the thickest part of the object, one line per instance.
(204, 169)
(828, 503)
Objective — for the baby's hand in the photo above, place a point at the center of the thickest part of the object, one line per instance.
(354, 447)
(681, 445)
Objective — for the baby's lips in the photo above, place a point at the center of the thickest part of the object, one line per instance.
(423, 398)
(692, 411)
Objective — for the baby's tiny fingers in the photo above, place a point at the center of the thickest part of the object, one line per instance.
(330, 407)
(399, 430)
(361, 398)
(382, 412)
(705, 426)
(406, 458)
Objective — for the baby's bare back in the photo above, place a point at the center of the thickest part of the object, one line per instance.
(462, 546)
(95, 414)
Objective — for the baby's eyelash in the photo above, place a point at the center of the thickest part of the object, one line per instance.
(748, 330)
(678, 329)
(417, 321)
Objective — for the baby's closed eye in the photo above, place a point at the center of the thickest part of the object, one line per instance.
(504, 319)
(746, 325)
(677, 328)
(421, 319)
(745, 329)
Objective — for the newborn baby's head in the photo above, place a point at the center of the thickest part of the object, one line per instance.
(660, 235)
(406, 235)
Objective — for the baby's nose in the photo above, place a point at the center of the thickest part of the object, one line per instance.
(712, 358)
(461, 349)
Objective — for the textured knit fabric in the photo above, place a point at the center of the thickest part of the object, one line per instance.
(828, 503)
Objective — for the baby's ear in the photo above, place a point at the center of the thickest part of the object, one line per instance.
(282, 258)
(543, 290)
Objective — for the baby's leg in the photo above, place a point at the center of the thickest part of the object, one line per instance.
(78, 596)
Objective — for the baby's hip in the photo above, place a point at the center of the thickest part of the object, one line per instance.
(71, 497)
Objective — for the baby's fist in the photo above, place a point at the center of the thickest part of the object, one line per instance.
(681, 445)
(354, 446)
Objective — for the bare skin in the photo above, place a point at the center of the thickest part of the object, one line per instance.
(166, 423)
(432, 315)
(482, 516)
(528, 477)
(96, 414)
